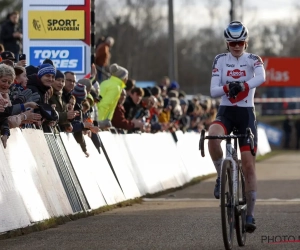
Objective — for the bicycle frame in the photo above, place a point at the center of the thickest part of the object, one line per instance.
(234, 167)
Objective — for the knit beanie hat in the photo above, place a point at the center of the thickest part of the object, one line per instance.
(118, 71)
(46, 69)
(79, 92)
(59, 74)
(87, 83)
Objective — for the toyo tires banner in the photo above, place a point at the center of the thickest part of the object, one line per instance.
(58, 30)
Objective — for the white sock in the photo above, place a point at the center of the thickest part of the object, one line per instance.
(251, 198)
(218, 164)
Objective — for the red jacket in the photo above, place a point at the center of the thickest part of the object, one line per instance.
(119, 120)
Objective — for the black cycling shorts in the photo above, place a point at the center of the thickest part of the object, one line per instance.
(240, 118)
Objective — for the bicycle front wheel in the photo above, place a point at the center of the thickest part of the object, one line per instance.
(227, 205)
(241, 210)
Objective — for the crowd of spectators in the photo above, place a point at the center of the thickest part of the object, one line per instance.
(43, 96)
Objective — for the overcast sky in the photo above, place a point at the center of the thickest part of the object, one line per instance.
(195, 11)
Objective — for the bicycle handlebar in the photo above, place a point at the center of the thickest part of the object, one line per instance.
(249, 135)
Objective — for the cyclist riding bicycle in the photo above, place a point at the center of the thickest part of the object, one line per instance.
(235, 75)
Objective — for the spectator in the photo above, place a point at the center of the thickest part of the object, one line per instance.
(78, 125)
(297, 127)
(119, 121)
(173, 86)
(164, 82)
(156, 91)
(132, 101)
(42, 82)
(165, 116)
(173, 93)
(70, 80)
(11, 35)
(130, 84)
(181, 94)
(20, 83)
(110, 91)
(184, 121)
(8, 55)
(102, 58)
(21, 77)
(287, 128)
(60, 106)
(7, 75)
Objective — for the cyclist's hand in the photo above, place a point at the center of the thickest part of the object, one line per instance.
(235, 88)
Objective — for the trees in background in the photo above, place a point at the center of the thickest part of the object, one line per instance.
(140, 31)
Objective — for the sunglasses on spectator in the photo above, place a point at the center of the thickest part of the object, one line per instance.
(239, 43)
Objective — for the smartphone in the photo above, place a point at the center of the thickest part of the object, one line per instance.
(22, 57)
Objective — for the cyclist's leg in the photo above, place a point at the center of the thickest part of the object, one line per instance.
(216, 154)
(214, 146)
(248, 163)
(220, 126)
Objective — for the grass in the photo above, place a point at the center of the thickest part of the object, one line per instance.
(269, 155)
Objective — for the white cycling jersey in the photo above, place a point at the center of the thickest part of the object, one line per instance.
(227, 68)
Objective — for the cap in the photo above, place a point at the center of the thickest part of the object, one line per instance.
(8, 55)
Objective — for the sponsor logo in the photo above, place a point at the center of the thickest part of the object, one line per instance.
(236, 73)
(230, 65)
(56, 24)
(215, 75)
(59, 2)
(69, 58)
(275, 75)
(243, 65)
(215, 70)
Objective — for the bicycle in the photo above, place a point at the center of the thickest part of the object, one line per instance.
(232, 188)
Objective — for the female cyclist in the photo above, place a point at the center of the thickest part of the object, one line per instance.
(235, 75)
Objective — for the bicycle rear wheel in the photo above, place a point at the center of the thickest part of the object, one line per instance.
(241, 210)
(227, 205)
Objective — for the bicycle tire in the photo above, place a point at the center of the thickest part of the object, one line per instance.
(240, 214)
(227, 206)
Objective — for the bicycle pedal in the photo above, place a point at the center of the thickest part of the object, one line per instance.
(242, 202)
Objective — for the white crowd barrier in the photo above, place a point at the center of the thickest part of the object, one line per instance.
(32, 188)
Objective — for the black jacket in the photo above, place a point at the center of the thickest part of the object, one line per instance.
(35, 84)
(130, 108)
(10, 43)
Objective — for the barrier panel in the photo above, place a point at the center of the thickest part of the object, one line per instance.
(82, 167)
(120, 164)
(188, 148)
(66, 172)
(46, 175)
(155, 164)
(263, 146)
(13, 211)
(168, 167)
(103, 175)
(24, 170)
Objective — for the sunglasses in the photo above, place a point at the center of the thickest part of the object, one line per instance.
(239, 43)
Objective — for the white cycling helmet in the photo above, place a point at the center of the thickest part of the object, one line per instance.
(236, 31)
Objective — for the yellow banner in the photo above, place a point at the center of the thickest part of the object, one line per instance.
(60, 25)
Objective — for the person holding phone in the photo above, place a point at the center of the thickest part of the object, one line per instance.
(22, 60)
